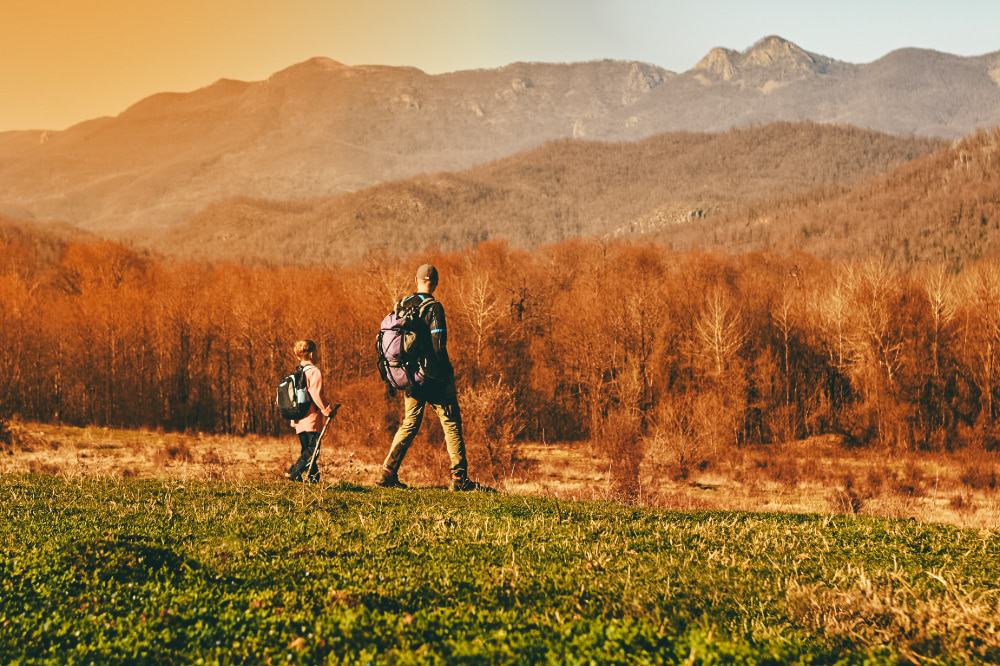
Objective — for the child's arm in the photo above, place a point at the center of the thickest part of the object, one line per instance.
(314, 382)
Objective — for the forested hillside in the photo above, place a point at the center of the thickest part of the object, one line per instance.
(563, 190)
(941, 208)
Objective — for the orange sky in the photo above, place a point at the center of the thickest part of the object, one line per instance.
(63, 61)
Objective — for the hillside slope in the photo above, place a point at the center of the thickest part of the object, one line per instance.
(562, 190)
(320, 128)
(941, 208)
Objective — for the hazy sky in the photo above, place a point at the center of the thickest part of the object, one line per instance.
(62, 62)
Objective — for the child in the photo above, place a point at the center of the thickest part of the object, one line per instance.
(310, 425)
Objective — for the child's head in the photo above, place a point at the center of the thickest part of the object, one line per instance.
(305, 350)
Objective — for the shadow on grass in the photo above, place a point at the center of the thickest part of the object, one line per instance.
(127, 559)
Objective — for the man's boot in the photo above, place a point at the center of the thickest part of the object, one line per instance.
(389, 479)
(462, 483)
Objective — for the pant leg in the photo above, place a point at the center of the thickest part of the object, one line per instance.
(413, 415)
(451, 422)
(312, 474)
(307, 443)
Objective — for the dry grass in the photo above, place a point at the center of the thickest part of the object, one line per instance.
(941, 617)
(811, 476)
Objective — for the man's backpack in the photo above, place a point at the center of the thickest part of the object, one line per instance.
(293, 399)
(404, 344)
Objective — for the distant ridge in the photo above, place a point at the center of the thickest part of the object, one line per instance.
(320, 127)
(559, 191)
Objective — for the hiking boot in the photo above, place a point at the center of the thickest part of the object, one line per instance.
(389, 479)
(463, 484)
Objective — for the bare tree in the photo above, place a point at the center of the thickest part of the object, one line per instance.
(719, 333)
(939, 291)
(980, 333)
(480, 308)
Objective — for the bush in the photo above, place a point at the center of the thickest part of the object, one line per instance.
(621, 439)
(6, 436)
(979, 476)
(850, 497)
(368, 420)
(675, 447)
(910, 481)
(493, 421)
(175, 452)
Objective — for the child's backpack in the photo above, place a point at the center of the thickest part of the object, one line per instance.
(293, 399)
(404, 343)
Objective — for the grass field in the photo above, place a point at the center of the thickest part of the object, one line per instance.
(94, 570)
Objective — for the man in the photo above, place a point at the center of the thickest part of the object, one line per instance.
(310, 425)
(438, 390)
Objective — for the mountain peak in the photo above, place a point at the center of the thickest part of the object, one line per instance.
(310, 66)
(774, 42)
(321, 62)
(774, 48)
(770, 62)
(719, 62)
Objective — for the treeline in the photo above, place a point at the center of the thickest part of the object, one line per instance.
(615, 342)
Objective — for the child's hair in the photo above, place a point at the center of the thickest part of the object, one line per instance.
(305, 348)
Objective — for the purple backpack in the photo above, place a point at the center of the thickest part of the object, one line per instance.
(404, 344)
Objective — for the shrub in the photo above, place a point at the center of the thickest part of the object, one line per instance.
(910, 481)
(493, 420)
(173, 452)
(211, 458)
(6, 436)
(675, 447)
(850, 497)
(961, 501)
(621, 441)
(978, 476)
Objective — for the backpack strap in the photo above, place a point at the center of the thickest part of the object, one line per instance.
(426, 305)
(426, 301)
(306, 378)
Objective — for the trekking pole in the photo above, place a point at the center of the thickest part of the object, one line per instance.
(319, 440)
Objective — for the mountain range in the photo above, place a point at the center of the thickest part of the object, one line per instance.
(321, 128)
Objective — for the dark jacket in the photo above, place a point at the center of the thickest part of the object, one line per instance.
(439, 365)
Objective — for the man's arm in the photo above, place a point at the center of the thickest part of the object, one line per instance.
(439, 338)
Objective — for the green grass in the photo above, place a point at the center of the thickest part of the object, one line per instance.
(154, 571)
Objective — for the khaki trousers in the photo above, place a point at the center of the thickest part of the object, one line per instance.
(451, 422)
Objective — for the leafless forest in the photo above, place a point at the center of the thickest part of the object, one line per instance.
(573, 341)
